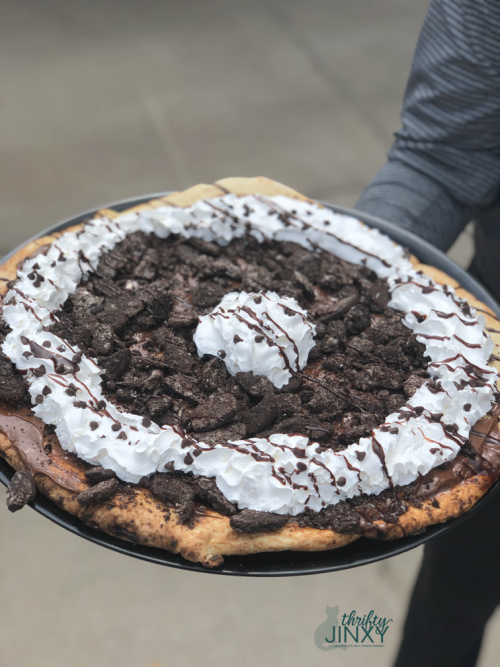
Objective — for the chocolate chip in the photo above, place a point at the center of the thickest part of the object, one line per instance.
(71, 390)
(99, 493)
(259, 338)
(221, 354)
(46, 390)
(360, 455)
(394, 430)
(299, 452)
(122, 436)
(237, 339)
(101, 405)
(93, 426)
(47, 343)
(116, 426)
(188, 459)
(301, 466)
(146, 422)
(39, 399)
(467, 407)
(341, 481)
(21, 490)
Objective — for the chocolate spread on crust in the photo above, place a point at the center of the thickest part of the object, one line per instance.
(29, 436)
(136, 316)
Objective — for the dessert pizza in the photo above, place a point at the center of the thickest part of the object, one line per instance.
(236, 369)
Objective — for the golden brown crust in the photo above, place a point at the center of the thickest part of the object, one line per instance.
(135, 515)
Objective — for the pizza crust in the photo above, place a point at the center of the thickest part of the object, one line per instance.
(135, 515)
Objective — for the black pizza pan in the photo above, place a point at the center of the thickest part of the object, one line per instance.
(283, 563)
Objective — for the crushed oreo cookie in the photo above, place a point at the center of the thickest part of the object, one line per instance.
(99, 493)
(21, 490)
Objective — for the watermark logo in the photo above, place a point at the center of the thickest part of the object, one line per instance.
(351, 630)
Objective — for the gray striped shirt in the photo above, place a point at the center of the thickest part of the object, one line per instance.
(444, 166)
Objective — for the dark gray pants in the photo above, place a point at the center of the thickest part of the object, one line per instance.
(458, 586)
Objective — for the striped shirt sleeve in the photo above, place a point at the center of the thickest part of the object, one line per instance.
(445, 162)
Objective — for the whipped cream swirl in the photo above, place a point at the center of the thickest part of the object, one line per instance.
(282, 473)
(260, 333)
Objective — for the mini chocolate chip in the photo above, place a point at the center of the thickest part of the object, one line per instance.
(188, 459)
(93, 426)
(31, 276)
(27, 354)
(433, 450)
(341, 481)
(419, 410)
(360, 455)
(394, 430)
(101, 405)
(186, 442)
(71, 391)
(221, 354)
(122, 436)
(237, 339)
(197, 452)
(39, 371)
(116, 427)
(77, 358)
(299, 452)
(80, 404)
(47, 343)
(146, 422)
(258, 299)
(39, 399)
(467, 407)
(24, 340)
(259, 338)
(46, 390)
(301, 466)
(436, 416)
